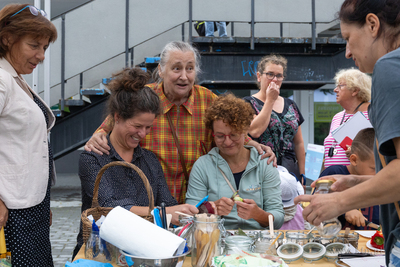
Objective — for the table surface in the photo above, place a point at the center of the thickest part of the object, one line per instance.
(323, 262)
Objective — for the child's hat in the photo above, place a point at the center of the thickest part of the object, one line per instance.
(289, 188)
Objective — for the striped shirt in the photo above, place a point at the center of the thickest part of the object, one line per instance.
(340, 157)
(195, 140)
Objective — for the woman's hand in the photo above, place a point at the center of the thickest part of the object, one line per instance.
(343, 182)
(224, 205)
(265, 151)
(184, 208)
(355, 217)
(98, 144)
(272, 92)
(3, 214)
(322, 207)
(247, 209)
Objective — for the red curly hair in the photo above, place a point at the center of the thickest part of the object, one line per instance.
(233, 111)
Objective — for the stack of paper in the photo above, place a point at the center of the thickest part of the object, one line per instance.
(351, 127)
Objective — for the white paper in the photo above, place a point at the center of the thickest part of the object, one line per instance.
(351, 127)
(138, 237)
(365, 261)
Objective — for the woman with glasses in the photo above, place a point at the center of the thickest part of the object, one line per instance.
(278, 119)
(178, 137)
(353, 91)
(26, 162)
(232, 167)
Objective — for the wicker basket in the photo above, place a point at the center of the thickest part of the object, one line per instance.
(96, 211)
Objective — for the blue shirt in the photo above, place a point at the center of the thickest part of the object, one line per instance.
(384, 116)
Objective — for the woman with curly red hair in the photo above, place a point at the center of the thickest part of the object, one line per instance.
(233, 167)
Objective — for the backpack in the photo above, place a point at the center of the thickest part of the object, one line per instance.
(200, 27)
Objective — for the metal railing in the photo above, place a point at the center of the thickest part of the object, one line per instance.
(129, 51)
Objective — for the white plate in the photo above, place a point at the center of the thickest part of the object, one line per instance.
(366, 234)
(372, 248)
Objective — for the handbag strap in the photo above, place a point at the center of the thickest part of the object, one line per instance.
(183, 163)
(383, 162)
(227, 181)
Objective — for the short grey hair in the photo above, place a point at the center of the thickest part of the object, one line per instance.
(354, 79)
(176, 46)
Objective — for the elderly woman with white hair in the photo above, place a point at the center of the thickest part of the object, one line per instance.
(353, 93)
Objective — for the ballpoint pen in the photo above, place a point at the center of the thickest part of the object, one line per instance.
(201, 201)
(164, 216)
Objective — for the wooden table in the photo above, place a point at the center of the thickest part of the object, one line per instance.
(324, 262)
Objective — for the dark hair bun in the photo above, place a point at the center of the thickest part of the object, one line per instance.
(129, 79)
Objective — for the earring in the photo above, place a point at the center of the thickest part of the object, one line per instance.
(117, 121)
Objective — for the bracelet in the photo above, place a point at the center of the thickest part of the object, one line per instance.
(304, 179)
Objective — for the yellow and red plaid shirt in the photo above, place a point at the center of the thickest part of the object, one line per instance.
(195, 140)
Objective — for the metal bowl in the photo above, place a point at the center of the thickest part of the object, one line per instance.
(147, 262)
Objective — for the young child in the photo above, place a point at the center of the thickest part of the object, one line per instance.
(361, 163)
(290, 189)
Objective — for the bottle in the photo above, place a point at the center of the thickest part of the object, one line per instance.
(329, 228)
(207, 233)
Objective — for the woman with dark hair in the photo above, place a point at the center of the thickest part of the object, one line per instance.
(132, 107)
(372, 31)
(26, 161)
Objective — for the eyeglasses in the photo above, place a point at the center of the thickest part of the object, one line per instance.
(340, 86)
(221, 137)
(35, 11)
(271, 76)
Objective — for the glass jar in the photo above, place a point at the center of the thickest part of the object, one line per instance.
(206, 238)
(290, 252)
(350, 238)
(299, 237)
(98, 249)
(323, 240)
(241, 242)
(313, 252)
(334, 249)
(265, 234)
(329, 228)
(263, 246)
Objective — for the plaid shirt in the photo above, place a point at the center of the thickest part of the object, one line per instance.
(195, 140)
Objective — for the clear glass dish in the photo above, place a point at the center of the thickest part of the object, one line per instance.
(239, 241)
(334, 249)
(290, 252)
(299, 237)
(313, 251)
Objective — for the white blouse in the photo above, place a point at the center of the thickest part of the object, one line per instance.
(24, 163)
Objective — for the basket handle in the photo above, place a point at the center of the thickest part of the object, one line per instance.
(95, 201)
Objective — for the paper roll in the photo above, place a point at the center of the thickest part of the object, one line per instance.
(138, 237)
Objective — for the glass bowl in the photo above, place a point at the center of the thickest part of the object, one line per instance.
(313, 251)
(265, 234)
(299, 237)
(351, 238)
(290, 252)
(334, 249)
